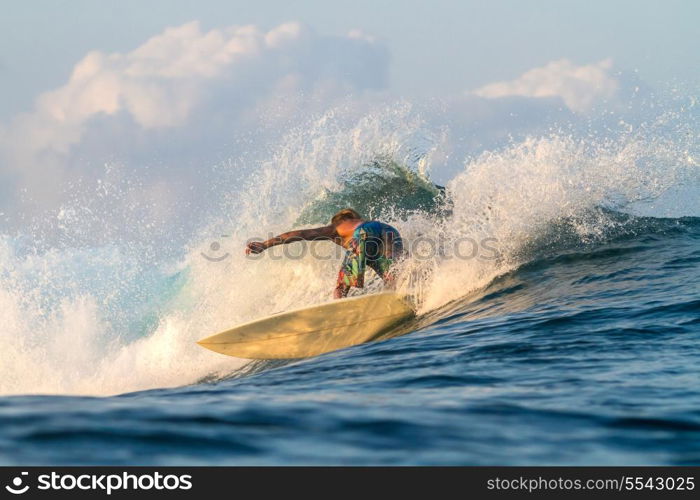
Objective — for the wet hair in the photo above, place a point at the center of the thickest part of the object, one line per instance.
(344, 214)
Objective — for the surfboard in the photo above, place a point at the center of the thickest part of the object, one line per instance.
(315, 330)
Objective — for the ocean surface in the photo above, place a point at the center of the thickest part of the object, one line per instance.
(567, 331)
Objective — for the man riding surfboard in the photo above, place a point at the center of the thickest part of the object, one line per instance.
(371, 244)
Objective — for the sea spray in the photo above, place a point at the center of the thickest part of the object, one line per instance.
(111, 318)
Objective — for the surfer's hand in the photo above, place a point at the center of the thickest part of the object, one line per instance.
(255, 247)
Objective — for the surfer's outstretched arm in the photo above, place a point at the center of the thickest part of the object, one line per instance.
(318, 233)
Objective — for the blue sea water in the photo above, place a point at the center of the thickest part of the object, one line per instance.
(570, 336)
(586, 353)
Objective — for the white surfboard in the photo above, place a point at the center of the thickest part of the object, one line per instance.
(314, 330)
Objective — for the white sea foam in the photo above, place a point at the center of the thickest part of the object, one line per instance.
(110, 319)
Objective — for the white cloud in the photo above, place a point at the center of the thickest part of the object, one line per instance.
(580, 87)
(183, 87)
(187, 99)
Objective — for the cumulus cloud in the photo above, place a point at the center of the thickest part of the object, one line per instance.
(580, 87)
(181, 91)
(161, 117)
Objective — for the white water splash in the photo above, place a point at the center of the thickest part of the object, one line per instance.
(93, 320)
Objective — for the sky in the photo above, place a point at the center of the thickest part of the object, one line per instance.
(157, 94)
(435, 47)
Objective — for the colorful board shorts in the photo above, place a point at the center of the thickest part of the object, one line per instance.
(375, 245)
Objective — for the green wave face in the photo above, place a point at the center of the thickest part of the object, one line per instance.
(382, 189)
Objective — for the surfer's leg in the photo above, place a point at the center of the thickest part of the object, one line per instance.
(344, 279)
(385, 268)
(340, 291)
(352, 271)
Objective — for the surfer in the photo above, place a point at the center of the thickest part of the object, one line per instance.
(371, 244)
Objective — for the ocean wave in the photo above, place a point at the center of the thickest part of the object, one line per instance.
(111, 319)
